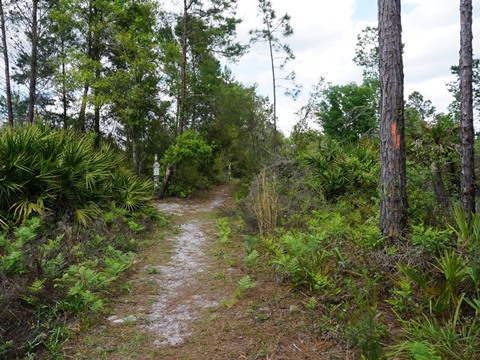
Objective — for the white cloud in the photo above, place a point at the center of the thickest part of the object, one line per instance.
(324, 44)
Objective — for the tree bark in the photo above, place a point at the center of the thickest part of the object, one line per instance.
(467, 178)
(171, 169)
(33, 63)
(82, 115)
(64, 88)
(393, 203)
(96, 56)
(8, 89)
(166, 180)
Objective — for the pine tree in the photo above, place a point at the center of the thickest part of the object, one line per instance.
(467, 179)
(273, 28)
(393, 204)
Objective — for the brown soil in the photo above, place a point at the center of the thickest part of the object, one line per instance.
(178, 301)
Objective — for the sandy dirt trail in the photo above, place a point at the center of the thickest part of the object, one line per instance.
(179, 301)
(169, 313)
(176, 305)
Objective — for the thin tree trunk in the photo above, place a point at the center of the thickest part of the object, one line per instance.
(7, 66)
(467, 179)
(83, 107)
(393, 204)
(82, 115)
(166, 180)
(64, 88)
(275, 141)
(172, 168)
(96, 123)
(183, 95)
(33, 63)
(274, 85)
(96, 56)
(136, 149)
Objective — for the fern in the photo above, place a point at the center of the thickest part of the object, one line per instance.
(244, 284)
(303, 261)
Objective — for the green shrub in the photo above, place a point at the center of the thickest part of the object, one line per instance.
(224, 231)
(51, 182)
(342, 168)
(193, 159)
(13, 254)
(304, 261)
(429, 338)
(430, 238)
(44, 170)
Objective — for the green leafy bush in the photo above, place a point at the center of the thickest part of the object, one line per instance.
(44, 170)
(344, 168)
(430, 238)
(13, 256)
(193, 159)
(52, 183)
(304, 261)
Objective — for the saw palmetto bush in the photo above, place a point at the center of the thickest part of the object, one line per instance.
(61, 172)
(51, 183)
(342, 168)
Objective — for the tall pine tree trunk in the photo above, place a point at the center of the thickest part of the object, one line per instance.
(33, 63)
(183, 95)
(393, 204)
(86, 87)
(64, 87)
(6, 62)
(272, 62)
(467, 179)
(96, 90)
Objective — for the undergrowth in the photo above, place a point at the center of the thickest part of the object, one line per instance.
(49, 275)
(416, 298)
(72, 218)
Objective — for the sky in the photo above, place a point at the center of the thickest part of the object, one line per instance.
(325, 35)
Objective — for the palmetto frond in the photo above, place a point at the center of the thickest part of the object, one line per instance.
(43, 169)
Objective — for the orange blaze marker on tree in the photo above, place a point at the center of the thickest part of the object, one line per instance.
(396, 136)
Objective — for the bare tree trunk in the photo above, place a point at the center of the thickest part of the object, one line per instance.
(33, 63)
(96, 56)
(171, 168)
(83, 107)
(82, 115)
(467, 179)
(183, 95)
(64, 88)
(133, 139)
(166, 180)
(8, 89)
(393, 204)
(96, 123)
(272, 61)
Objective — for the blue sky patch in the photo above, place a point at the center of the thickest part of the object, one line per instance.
(366, 10)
